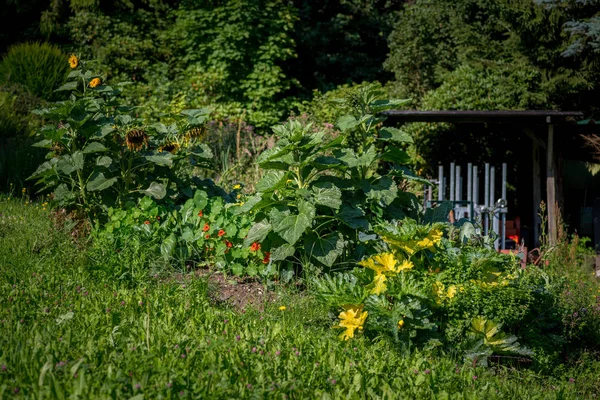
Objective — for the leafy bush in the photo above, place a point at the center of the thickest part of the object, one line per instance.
(39, 67)
(100, 155)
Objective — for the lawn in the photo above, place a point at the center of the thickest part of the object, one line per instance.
(67, 333)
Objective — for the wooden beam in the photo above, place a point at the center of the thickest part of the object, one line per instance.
(551, 186)
(537, 189)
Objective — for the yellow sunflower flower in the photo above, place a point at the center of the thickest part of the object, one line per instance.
(73, 61)
(352, 318)
(95, 82)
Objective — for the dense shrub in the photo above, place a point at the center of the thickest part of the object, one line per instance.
(39, 67)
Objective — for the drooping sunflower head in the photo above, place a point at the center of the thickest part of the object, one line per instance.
(95, 82)
(195, 133)
(170, 147)
(73, 61)
(136, 139)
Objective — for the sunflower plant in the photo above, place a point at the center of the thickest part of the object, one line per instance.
(101, 155)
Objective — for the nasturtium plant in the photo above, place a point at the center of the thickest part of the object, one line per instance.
(205, 231)
(101, 155)
(322, 194)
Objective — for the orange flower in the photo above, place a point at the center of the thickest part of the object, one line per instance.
(200, 213)
(206, 227)
(95, 82)
(267, 257)
(255, 246)
(228, 243)
(147, 222)
(221, 233)
(207, 237)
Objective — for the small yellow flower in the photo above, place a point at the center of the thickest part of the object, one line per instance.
(236, 187)
(95, 82)
(352, 318)
(282, 308)
(24, 190)
(73, 61)
(239, 196)
(400, 324)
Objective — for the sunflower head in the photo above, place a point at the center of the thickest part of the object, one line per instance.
(73, 61)
(170, 147)
(136, 139)
(195, 133)
(95, 82)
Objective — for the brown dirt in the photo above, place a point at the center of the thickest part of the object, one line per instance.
(240, 293)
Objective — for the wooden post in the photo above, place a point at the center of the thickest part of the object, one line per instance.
(551, 186)
(537, 192)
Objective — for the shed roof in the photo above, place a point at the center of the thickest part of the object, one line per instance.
(476, 116)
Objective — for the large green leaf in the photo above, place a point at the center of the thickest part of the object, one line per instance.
(291, 226)
(325, 249)
(383, 190)
(46, 144)
(156, 190)
(100, 182)
(353, 217)
(394, 154)
(347, 122)
(104, 161)
(94, 147)
(200, 199)
(439, 213)
(282, 252)
(270, 181)
(164, 158)
(395, 135)
(69, 164)
(69, 86)
(258, 232)
(249, 204)
(327, 194)
(167, 247)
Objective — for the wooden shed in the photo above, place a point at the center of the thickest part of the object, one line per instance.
(553, 136)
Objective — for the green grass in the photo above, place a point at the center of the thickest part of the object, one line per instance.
(64, 333)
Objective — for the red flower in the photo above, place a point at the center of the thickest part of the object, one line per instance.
(255, 246)
(206, 227)
(221, 233)
(228, 243)
(200, 213)
(515, 238)
(147, 222)
(267, 257)
(207, 237)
